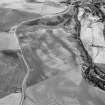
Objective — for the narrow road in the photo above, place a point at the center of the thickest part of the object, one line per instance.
(20, 54)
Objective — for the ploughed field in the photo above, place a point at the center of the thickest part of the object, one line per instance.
(46, 52)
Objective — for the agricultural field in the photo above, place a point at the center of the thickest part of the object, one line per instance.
(52, 52)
